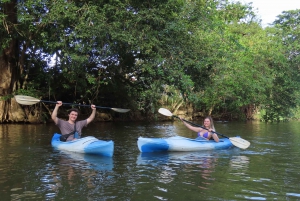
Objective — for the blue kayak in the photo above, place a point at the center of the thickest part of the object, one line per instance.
(180, 144)
(85, 145)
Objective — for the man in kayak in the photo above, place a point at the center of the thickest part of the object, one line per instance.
(206, 133)
(71, 129)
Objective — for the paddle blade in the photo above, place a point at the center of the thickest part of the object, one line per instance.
(239, 142)
(165, 112)
(120, 110)
(26, 100)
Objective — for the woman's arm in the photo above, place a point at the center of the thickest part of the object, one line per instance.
(196, 129)
(215, 137)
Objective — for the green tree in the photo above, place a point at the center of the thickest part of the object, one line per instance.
(285, 92)
(96, 44)
(210, 54)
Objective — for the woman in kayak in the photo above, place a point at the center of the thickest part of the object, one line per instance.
(70, 128)
(206, 133)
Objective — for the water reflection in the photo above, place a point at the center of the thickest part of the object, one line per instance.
(293, 195)
(198, 158)
(26, 195)
(30, 169)
(87, 161)
(67, 170)
(201, 166)
(189, 162)
(239, 163)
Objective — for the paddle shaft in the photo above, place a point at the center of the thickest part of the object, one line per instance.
(74, 104)
(27, 100)
(200, 126)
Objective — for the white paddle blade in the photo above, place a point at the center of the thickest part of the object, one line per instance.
(165, 112)
(239, 142)
(120, 110)
(26, 100)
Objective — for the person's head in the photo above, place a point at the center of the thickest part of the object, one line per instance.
(209, 123)
(73, 114)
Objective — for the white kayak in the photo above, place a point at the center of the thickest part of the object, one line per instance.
(180, 144)
(85, 145)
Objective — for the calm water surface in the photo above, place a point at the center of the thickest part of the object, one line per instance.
(30, 169)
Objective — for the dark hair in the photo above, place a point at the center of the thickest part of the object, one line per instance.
(73, 109)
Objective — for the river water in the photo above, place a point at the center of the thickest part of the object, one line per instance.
(30, 169)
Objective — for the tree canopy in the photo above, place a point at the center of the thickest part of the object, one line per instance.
(210, 55)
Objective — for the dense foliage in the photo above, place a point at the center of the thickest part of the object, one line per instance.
(212, 55)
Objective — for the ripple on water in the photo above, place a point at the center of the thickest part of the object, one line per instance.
(267, 170)
(293, 195)
(26, 195)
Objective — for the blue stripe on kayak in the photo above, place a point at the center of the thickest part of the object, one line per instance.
(158, 145)
(105, 148)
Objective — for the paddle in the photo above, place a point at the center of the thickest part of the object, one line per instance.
(237, 141)
(28, 100)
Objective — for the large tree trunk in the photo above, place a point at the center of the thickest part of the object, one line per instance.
(10, 110)
(249, 111)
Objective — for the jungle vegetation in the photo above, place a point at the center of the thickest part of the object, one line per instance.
(213, 56)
